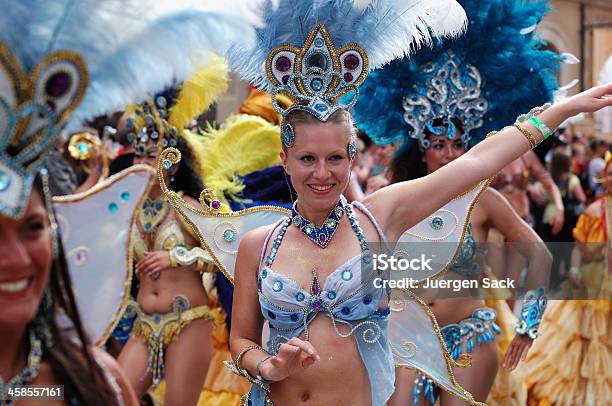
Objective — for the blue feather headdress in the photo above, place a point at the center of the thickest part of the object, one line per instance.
(63, 61)
(496, 71)
(314, 52)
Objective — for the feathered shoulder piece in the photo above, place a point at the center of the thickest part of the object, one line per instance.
(482, 80)
(245, 143)
(63, 61)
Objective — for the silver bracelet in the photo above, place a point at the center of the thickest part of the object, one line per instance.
(258, 372)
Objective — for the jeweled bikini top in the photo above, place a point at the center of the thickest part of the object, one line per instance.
(347, 295)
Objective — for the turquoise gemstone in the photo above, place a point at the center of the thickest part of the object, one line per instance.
(316, 84)
(264, 274)
(331, 295)
(83, 147)
(308, 230)
(319, 42)
(277, 286)
(300, 296)
(437, 223)
(229, 235)
(166, 164)
(125, 196)
(347, 275)
(5, 181)
(320, 107)
(113, 207)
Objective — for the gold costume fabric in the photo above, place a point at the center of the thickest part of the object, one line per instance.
(571, 364)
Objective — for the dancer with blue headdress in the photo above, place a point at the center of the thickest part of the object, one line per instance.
(444, 100)
(65, 267)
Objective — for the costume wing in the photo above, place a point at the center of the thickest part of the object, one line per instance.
(219, 230)
(414, 333)
(439, 236)
(95, 227)
(220, 233)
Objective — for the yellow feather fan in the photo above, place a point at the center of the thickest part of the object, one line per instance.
(244, 144)
(199, 91)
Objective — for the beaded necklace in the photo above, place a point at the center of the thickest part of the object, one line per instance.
(29, 372)
(320, 235)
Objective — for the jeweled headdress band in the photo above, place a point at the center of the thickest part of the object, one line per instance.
(315, 77)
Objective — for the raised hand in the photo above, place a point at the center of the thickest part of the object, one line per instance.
(153, 263)
(591, 100)
(294, 356)
(517, 351)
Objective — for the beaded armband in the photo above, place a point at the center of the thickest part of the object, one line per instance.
(181, 256)
(532, 311)
(532, 119)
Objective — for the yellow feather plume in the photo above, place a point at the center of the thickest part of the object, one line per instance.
(244, 144)
(199, 91)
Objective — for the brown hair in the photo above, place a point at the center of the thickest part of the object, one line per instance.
(69, 352)
(339, 116)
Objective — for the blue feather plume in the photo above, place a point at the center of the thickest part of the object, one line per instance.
(131, 47)
(500, 42)
(385, 29)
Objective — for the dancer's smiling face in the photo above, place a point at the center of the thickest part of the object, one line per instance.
(318, 162)
(25, 262)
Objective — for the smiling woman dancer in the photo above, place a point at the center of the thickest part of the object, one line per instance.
(304, 275)
(443, 100)
(48, 69)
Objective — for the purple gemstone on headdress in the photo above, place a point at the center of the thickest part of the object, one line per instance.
(283, 64)
(316, 306)
(285, 79)
(216, 205)
(348, 77)
(351, 62)
(58, 84)
(322, 238)
(51, 105)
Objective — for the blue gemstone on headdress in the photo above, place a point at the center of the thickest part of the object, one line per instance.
(367, 299)
(166, 164)
(172, 142)
(277, 286)
(319, 42)
(345, 310)
(271, 315)
(331, 295)
(300, 296)
(320, 107)
(125, 196)
(5, 181)
(347, 275)
(264, 273)
(316, 84)
(294, 317)
(113, 207)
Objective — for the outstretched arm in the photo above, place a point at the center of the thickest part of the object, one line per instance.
(400, 206)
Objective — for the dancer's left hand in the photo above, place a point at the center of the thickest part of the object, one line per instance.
(517, 351)
(153, 263)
